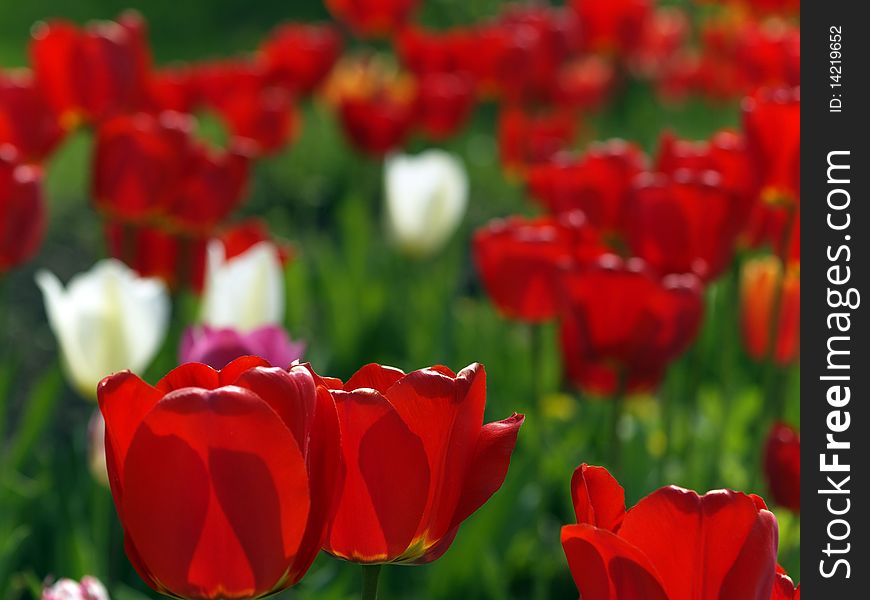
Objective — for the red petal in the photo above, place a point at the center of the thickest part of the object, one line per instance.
(605, 567)
(326, 477)
(190, 375)
(386, 483)
(217, 494)
(489, 466)
(374, 376)
(783, 588)
(124, 401)
(698, 543)
(290, 394)
(447, 414)
(598, 498)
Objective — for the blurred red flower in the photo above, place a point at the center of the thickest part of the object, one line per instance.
(224, 481)
(685, 222)
(299, 56)
(93, 72)
(26, 121)
(782, 465)
(622, 324)
(138, 163)
(520, 260)
(526, 139)
(770, 309)
(772, 124)
(597, 183)
(444, 102)
(373, 18)
(375, 102)
(22, 209)
(612, 26)
(423, 51)
(418, 460)
(672, 545)
(151, 167)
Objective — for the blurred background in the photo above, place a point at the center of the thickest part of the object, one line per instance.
(355, 299)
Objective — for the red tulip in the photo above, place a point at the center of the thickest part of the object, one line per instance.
(597, 184)
(418, 460)
(214, 186)
(519, 261)
(672, 545)
(372, 18)
(782, 465)
(224, 481)
(423, 51)
(784, 588)
(766, 295)
(725, 152)
(375, 103)
(549, 38)
(685, 222)
(771, 120)
(612, 26)
(93, 72)
(584, 84)
(622, 325)
(22, 209)
(376, 127)
(528, 139)
(26, 121)
(172, 89)
(664, 35)
(139, 162)
(443, 104)
(299, 56)
(500, 57)
(253, 110)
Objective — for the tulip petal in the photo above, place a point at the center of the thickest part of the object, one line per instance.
(230, 373)
(290, 394)
(604, 566)
(217, 494)
(695, 541)
(447, 414)
(386, 483)
(374, 376)
(196, 375)
(124, 401)
(489, 466)
(598, 498)
(326, 477)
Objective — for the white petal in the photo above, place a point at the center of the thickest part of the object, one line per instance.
(426, 198)
(246, 291)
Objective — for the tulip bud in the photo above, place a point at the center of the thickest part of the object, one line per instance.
(89, 588)
(782, 465)
(246, 291)
(426, 197)
(106, 320)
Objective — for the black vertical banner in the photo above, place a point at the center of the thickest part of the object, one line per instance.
(835, 419)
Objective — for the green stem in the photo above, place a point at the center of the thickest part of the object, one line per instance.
(618, 402)
(371, 573)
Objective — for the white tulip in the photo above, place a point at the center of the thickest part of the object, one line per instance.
(426, 197)
(106, 320)
(246, 291)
